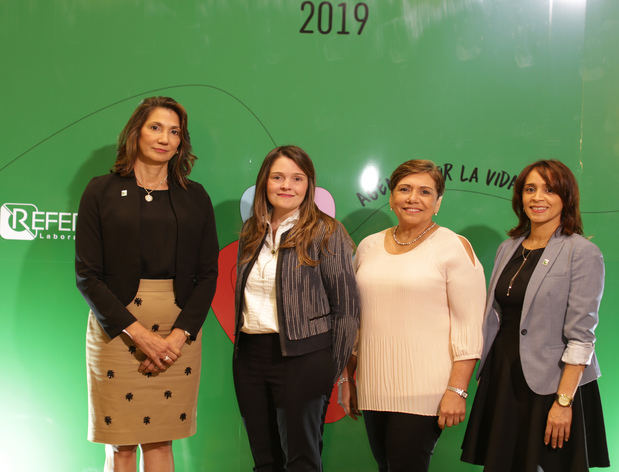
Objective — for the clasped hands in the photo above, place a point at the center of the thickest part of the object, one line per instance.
(160, 352)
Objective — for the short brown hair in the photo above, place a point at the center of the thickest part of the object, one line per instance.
(180, 165)
(562, 182)
(418, 166)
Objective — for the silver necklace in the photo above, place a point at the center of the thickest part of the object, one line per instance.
(148, 197)
(414, 240)
(511, 282)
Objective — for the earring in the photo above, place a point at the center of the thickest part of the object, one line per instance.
(435, 213)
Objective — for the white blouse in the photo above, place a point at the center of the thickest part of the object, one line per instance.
(260, 306)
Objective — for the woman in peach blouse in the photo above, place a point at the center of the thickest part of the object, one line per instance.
(422, 300)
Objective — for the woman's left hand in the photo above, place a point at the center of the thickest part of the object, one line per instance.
(451, 410)
(177, 338)
(558, 425)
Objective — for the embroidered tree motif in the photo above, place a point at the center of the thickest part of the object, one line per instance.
(167, 394)
(155, 328)
(188, 371)
(108, 420)
(110, 374)
(183, 416)
(129, 396)
(137, 301)
(147, 420)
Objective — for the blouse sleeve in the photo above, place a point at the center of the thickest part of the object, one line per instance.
(466, 294)
(581, 318)
(356, 263)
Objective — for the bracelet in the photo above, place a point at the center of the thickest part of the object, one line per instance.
(187, 334)
(341, 380)
(463, 393)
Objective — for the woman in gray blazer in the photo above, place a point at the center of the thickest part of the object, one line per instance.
(538, 403)
(297, 314)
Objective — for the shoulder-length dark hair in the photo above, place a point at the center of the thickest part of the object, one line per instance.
(312, 222)
(180, 165)
(562, 182)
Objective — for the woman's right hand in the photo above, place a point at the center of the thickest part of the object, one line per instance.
(161, 352)
(347, 397)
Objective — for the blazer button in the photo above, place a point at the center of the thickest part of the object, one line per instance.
(523, 332)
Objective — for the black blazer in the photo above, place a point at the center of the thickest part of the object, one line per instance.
(107, 254)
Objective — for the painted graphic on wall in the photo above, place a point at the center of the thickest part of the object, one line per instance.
(482, 88)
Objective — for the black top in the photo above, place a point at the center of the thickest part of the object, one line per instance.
(107, 251)
(511, 306)
(157, 236)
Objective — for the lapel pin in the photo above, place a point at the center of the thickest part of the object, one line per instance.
(123, 193)
(546, 261)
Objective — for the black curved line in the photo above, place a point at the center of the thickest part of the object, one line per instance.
(368, 217)
(467, 191)
(478, 193)
(509, 199)
(88, 115)
(601, 211)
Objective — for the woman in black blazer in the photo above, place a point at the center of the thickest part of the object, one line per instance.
(297, 314)
(146, 263)
(538, 405)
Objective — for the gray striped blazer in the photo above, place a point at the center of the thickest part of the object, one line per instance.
(317, 306)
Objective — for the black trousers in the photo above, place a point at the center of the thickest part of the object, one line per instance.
(283, 402)
(401, 442)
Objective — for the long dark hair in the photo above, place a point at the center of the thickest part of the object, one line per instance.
(562, 182)
(311, 219)
(180, 165)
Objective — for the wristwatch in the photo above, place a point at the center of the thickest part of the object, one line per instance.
(564, 400)
(463, 393)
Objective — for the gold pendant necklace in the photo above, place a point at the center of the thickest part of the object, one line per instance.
(148, 197)
(511, 282)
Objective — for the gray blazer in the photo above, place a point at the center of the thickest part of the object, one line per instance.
(560, 310)
(317, 306)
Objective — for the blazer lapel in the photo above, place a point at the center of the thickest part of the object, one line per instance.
(128, 204)
(506, 255)
(541, 270)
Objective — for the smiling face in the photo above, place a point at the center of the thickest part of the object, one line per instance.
(286, 187)
(414, 200)
(542, 206)
(160, 136)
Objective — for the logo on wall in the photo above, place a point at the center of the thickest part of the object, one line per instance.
(24, 222)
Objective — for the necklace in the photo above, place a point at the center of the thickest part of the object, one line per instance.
(511, 282)
(414, 240)
(148, 197)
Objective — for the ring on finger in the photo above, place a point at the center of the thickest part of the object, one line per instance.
(167, 358)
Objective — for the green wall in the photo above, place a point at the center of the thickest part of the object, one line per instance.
(482, 87)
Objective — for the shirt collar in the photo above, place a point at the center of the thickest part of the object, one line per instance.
(283, 227)
(288, 222)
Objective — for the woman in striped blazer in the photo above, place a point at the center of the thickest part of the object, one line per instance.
(297, 314)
